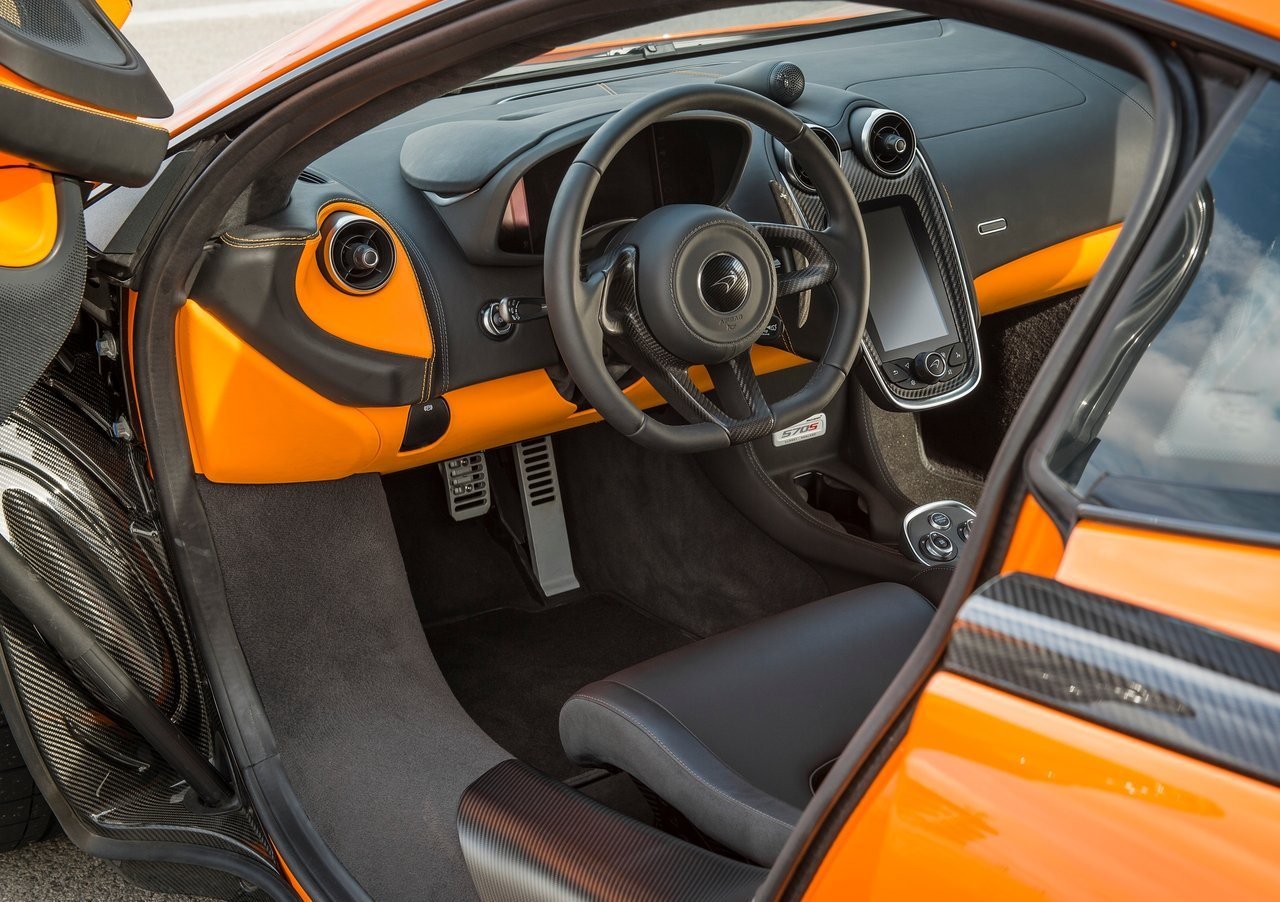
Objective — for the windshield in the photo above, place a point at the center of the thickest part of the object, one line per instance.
(720, 26)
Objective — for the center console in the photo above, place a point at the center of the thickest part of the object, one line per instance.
(920, 349)
(910, 324)
(935, 533)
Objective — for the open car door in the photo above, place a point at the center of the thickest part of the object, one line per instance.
(72, 91)
(1103, 719)
(101, 688)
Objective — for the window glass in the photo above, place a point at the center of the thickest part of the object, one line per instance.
(1184, 421)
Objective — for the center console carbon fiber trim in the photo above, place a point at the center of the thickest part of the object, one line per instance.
(1165, 680)
(526, 837)
(917, 186)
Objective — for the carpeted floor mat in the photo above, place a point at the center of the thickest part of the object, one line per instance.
(513, 669)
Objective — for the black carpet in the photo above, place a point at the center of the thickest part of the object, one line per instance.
(513, 669)
(454, 568)
(376, 747)
(652, 528)
(967, 433)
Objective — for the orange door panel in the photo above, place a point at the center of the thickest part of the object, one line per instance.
(1036, 546)
(28, 216)
(990, 797)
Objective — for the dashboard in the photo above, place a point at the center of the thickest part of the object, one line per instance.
(359, 361)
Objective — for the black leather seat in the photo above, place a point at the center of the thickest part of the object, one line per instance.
(737, 730)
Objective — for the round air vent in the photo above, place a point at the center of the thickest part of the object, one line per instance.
(886, 142)
(792, 168)
(356, 253)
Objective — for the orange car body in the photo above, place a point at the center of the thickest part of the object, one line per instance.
(988, 796)
(1006, 799)
(1001, 797)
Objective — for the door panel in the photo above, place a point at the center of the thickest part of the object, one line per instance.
(1126, 744)
(991, 797)
(1223, 585)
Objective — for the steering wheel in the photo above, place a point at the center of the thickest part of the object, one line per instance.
(692, 284)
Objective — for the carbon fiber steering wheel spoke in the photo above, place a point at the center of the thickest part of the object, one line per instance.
(813, 246)
(629, 335)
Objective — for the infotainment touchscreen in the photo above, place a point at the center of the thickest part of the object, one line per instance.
(907, 305)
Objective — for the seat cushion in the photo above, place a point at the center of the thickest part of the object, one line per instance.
(735, 731)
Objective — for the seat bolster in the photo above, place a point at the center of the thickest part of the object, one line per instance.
(611, 723)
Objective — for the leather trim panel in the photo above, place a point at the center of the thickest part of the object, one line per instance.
(251, 284)
(250, 421)
(1054, 270)
(63, 137)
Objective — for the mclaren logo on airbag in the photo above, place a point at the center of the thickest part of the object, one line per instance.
(724, 283)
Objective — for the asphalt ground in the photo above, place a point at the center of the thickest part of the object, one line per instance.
(187, 42)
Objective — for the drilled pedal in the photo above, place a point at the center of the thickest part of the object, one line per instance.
(466, 486)
(544, 516)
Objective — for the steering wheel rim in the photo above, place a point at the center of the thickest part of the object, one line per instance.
(623, 300)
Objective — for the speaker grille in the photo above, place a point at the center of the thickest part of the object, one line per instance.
(786, 83)
(65, 27)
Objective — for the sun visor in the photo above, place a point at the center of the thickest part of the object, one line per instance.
(71, 91)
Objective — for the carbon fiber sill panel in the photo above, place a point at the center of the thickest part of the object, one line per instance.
(526, 838)
(1165, 680)
(76, 505)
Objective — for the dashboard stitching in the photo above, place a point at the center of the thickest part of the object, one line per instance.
(434, 294)
(251, 243)
(443, 344)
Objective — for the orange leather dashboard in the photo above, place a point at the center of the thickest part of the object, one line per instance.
(394, 318)
(251, 422)
(1054, 270)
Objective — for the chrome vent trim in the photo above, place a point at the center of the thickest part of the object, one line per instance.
(345, 245)
(889, 163)
(792, 170)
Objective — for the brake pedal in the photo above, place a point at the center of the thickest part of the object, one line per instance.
(467, 486)
(544, 516)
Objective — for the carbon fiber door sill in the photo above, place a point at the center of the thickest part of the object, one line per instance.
(527, 837)
(1171, 682)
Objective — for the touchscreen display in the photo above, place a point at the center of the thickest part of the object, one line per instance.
(904, 308)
